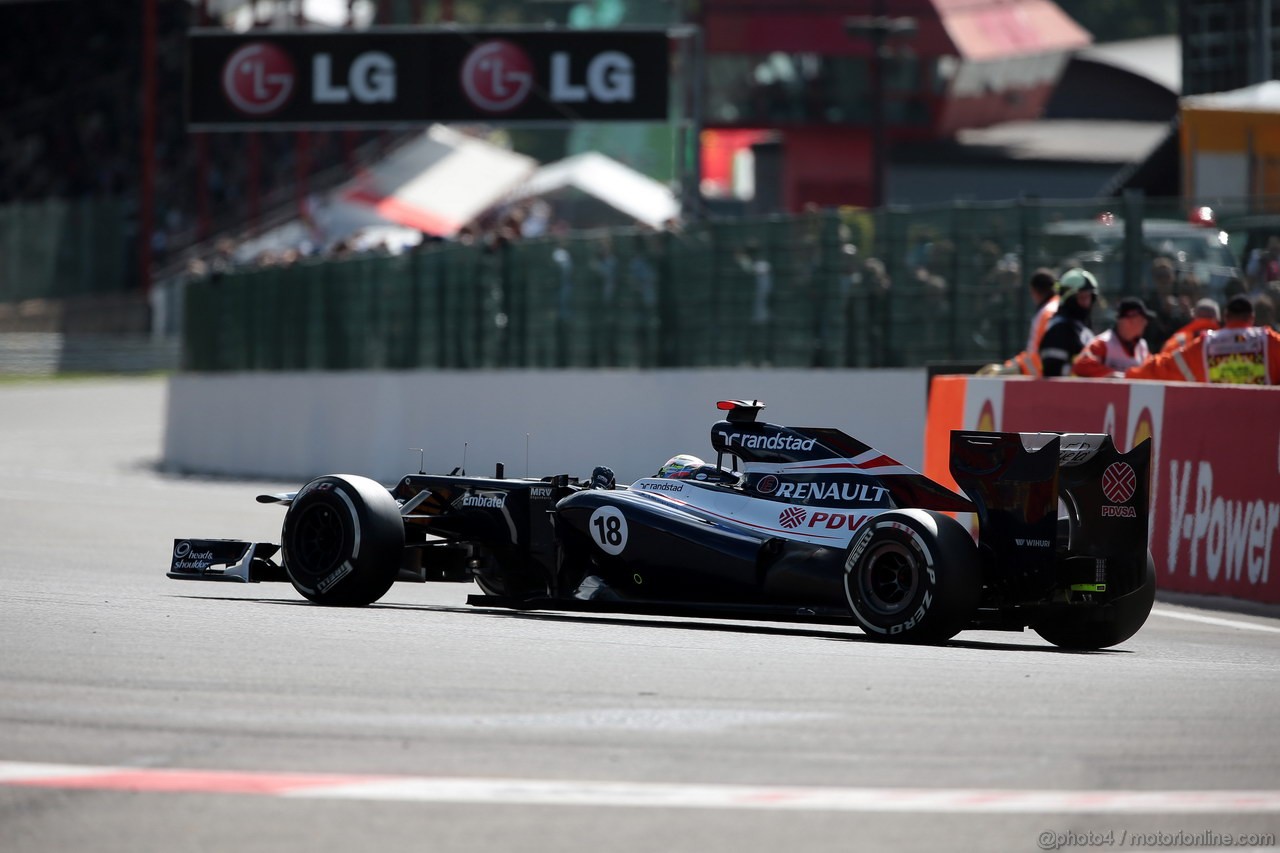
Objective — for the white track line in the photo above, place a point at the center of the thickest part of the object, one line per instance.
(550, 792)
(1214, 620)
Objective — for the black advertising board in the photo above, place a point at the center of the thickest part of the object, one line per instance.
(396, 76)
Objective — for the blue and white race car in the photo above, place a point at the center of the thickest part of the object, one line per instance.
(799, 524)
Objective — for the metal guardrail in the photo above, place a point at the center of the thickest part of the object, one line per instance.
(52, 353)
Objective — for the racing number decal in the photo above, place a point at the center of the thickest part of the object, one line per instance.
(608, 527)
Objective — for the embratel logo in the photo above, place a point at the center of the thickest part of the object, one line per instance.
(1118, 484)
(768, 485)
(791, 517)
(258, 79)
(497, 76)
(485, 500)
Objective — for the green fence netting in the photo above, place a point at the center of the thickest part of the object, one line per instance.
(840, 288)
(57, 249)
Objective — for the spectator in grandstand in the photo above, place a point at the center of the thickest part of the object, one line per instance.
(1206, 317)
(1114, 351)
(1041, 286)
(604, 324)
(867, 331)
(642, 278)
(562, 259)
(1239, 353)
(1263, 266)
(760, 346)
(1264, 311)
(1189, 290)
(1234, 287)
(1169, 314)
(1069, 332)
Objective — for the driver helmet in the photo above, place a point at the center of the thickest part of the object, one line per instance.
(715, 474)
(680, 467)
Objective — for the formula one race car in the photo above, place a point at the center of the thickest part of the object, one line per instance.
(791, 523)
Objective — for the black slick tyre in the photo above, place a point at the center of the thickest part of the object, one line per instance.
(343, 541)
(912, 576)
(1122, 620)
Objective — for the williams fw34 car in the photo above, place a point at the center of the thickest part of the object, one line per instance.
(795, 524)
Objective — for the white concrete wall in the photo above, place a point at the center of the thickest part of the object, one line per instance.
(294, 426)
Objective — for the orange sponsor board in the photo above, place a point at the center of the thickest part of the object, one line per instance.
(1215, 481)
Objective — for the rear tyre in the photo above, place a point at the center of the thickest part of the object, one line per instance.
(1126, 615)
(912, 576)
(343, 541)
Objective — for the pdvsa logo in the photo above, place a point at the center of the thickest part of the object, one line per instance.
(497, 76)
(1118, 484)
(791, 517)
(258, 79)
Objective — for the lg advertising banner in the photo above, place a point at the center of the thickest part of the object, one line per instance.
(396, 76)
(1215, 476)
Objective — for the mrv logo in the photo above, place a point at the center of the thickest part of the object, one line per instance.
(767, 442)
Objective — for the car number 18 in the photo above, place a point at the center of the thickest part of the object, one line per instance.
(608, 527)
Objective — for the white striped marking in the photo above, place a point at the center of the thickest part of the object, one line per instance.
(552, 792)
(1214, 620)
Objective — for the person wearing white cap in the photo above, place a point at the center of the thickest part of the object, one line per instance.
(1207, 318)
(1069, 333)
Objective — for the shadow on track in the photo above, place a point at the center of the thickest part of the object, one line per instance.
(689, 624)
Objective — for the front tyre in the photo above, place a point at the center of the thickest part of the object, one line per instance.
(1123, 618)
(343, 541)
(913, 576)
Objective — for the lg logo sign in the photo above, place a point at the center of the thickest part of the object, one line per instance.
(410, 77)
(498, 75)
(259, 79)
(370, 80)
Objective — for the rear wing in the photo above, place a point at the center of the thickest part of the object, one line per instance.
(1017, 482)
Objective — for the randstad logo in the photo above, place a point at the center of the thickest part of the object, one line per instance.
(767, 442)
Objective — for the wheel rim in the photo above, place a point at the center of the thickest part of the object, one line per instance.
(889, 579)
(319, 540)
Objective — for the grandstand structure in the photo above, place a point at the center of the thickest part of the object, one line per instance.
(104, 188)
(92, 110)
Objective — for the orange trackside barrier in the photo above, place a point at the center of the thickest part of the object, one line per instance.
(945, 413)
(1215, 472)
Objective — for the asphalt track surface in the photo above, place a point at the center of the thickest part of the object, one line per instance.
(139, 713)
